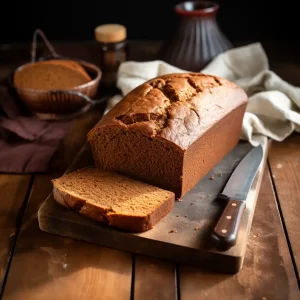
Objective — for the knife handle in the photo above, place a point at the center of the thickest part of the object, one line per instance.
(225, 232)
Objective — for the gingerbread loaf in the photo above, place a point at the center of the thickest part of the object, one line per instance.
(51, 75)
(171, 131)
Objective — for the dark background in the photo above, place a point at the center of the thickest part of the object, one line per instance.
(240, 20)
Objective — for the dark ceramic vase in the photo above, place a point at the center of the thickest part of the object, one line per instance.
(197, 38)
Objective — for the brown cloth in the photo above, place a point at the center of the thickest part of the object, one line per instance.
(26, 143)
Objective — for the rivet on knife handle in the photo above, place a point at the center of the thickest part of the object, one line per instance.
(225, 232)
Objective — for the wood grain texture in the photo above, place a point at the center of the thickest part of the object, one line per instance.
(268, 271)
(226, 231)
(154, 279)
(46, 267)
(52, 267)
(13, 189)
(284, 162)
(183, 236)
(202, 285)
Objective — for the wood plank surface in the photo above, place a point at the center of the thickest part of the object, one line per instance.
(154, 279)
(184, 232)
(13, 189)
(284, 162)
(267, 273)
(52, 267)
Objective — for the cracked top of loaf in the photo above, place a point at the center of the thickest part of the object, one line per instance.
(176, 107)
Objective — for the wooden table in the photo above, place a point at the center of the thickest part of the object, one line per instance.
(36, 265)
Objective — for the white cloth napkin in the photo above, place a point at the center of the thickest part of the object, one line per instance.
(273, 110)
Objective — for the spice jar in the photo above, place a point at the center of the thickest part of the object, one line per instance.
(113, 51)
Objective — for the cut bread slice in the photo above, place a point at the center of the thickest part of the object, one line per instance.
(114, 199)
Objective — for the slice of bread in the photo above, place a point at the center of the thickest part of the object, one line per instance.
(51, 75)
(114, 199)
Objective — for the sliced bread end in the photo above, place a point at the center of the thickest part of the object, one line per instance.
(128, 222)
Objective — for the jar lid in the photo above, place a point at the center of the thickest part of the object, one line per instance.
(110, 33)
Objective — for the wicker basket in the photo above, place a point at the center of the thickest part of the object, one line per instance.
(56, 104)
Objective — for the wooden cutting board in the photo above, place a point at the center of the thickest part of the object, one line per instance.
(182, 236)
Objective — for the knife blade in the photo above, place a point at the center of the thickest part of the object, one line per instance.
(225, 232)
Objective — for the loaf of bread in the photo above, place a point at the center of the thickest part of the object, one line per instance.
(114, 199)
(51, 75)
(171, 131)
(69, 64)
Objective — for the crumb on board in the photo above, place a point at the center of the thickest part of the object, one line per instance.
(185, 216)
(197, 228)
(173, 231)
(13, 233)
(220, 174)
(179, 200)
(212, 177)
(177, 216)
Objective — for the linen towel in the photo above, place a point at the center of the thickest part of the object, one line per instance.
(273, 110)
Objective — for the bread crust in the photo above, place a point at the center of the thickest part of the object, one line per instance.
(177, 107)
(127, 222)
(164, 130)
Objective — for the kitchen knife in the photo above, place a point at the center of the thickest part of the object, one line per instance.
(225, 233)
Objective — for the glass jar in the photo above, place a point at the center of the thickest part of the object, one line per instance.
(113, 51)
